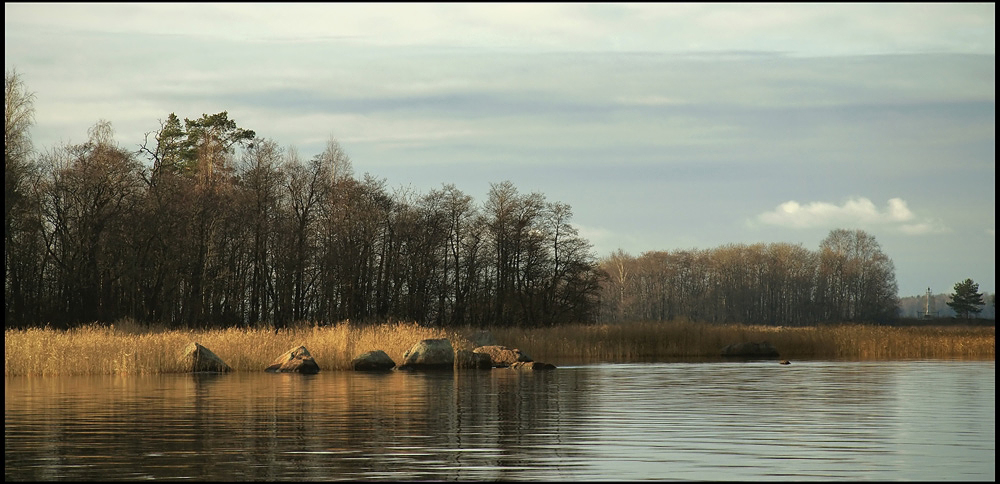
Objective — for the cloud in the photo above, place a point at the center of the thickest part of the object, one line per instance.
(857, 211)
(809, 29)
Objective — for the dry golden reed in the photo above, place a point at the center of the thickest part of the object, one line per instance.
(129, 348)
(650, 341)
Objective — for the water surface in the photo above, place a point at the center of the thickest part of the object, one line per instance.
(915, 420)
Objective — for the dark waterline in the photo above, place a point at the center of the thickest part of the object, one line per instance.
(917, 420)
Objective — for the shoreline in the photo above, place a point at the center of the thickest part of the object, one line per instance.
(129, 348)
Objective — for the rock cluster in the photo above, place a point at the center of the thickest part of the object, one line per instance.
(428, 354)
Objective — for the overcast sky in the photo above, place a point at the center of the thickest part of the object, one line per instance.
(664, 126)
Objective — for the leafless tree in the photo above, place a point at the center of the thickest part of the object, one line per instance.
(21, 174)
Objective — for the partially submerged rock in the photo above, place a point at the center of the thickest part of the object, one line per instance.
(429, 354)
(470, 359)
(197, 358)
(761, 349)
(376, 360)
(502, 356)
(531, 365)
(295, 360)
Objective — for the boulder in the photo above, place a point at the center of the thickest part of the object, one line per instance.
(751, 350)
(429, 354)
(502, 356)
(531, 365)
(373, 361)
(196, 358)
(295, 360)
(471, 359)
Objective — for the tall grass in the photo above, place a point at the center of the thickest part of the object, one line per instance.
(647, 341)
(128, 348)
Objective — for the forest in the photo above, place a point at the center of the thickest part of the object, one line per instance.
(849, 279)
(206, 224)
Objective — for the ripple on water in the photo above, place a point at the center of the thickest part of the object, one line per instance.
(690, 421)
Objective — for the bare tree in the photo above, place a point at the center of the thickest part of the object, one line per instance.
(20, 174)
(857, 281)
(460, 215)
(260, 180)
(338, 163)
(307, 190)
(92, 189)
(19, 116)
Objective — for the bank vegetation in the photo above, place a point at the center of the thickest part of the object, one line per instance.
(129, 348)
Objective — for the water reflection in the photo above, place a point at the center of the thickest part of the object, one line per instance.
(716, 421)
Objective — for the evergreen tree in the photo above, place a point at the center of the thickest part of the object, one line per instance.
(967, 299)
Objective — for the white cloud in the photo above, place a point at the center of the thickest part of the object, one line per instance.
(898, 210)
(857, 211)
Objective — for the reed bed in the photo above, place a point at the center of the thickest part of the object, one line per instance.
(129, 348)
(678, 340)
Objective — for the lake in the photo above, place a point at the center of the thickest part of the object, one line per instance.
(811, 420)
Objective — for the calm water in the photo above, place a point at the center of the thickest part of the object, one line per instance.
(924, 420)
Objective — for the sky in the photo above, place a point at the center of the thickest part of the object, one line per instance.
(665, 126)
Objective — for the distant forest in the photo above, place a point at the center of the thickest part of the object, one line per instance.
(205, 224)
(937, 307)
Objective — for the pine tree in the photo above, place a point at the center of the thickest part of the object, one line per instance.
(967, 299)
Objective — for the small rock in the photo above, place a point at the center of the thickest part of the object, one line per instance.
(295, 360)
(531, 365)
(373, 361)
(429, 354)
(502, 356)
(196, 358)
(473, 360)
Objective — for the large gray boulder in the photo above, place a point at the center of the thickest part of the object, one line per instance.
(295, 360)
(197, 358)
(761, 349)
(429, 354)
(502, 356)
(376, 360)
(465, 359)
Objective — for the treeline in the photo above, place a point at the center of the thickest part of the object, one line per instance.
(919, 307)
(217, 227)
(849, 279)
(207, 224)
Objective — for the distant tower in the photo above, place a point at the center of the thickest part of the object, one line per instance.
(928, 305)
